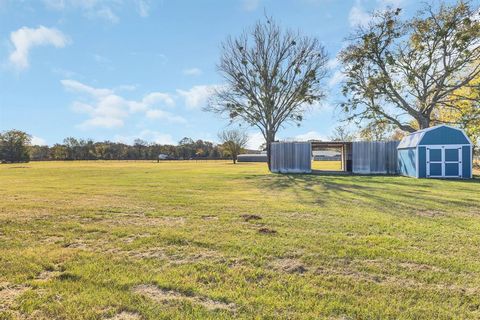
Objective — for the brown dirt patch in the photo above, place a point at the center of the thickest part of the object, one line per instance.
(429, 213)
(124, 315)
(165, 296)
(48, 275)
(209, 217)
(289, 266)
(267, 231)
(248, 217)
(8, 294)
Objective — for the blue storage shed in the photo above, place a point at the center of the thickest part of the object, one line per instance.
(437, 152)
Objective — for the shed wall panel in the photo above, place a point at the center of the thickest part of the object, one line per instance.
(407, 165)
(291, 157)
(466, 162)
(376, 157)
(422, 162)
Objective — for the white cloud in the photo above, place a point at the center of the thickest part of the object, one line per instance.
(156, 97)
(107, 109)
(143, 8)
(197, 96)
(105, 13)
(310, 135)
(250, 5)
(76, 86)
(255, 140)
(390, 3)
(103, 9)
(24, 39)
(192, 72)
(37, 141)
(164, 115)
(333, 63)
(337, 77)
(147, 135)
(358, 16)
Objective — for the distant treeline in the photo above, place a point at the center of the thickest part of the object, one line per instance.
(79, 149)
(15, 146)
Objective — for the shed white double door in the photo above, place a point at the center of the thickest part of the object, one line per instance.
(444, 161)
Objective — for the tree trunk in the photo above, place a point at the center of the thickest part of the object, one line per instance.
(423, 122)
(270, 139)
(234, 158)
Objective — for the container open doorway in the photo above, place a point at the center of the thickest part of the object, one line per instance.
(331, 156)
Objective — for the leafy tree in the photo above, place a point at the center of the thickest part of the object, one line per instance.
(464, 112)
(376, 131)
(233, 142)
(72, 145)
(271, 76)
(140, 145)
(38, 153)
(402, 70)
(14, 146)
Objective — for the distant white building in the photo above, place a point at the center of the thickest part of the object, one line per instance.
(162, 156)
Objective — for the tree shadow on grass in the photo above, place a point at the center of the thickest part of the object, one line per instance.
(380, 192)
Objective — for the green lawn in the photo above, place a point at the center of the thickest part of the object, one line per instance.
(186, 240)
(327, 165)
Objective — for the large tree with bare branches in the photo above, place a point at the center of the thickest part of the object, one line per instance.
(271, 76)
(402, 71)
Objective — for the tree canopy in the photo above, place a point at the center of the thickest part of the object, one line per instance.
(401, 71)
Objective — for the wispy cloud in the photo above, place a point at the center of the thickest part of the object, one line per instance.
(143, 7)
(197, 96)
(358, 16)
(255, 140)
(107, 109)
(310, 135)
(250, 5)
(337, 77)
(37, 141)
(24, 39)
(192, 72)
(102, 9)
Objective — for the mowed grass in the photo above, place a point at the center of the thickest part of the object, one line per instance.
(186, 240)
(327, 165)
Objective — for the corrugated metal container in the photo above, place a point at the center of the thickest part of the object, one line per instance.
(375, 157)
(291, 157)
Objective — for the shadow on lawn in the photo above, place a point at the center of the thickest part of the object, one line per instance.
(378, 191)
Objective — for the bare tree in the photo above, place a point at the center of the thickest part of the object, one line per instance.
(233, 142)
(341, 133)
(402, 71)
(271, 76)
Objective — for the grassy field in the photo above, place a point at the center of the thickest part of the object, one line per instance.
(141, 240)
(327, 165)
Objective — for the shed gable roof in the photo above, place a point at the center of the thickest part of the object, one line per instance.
(441, 134)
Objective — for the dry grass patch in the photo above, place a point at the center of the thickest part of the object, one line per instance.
(9, 293)
(248, 217)
(289, 266)
(125, 315)
(165, 296)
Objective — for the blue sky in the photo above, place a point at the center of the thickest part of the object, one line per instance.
(126, 69)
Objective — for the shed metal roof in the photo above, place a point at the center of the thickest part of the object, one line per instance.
(415, 138)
